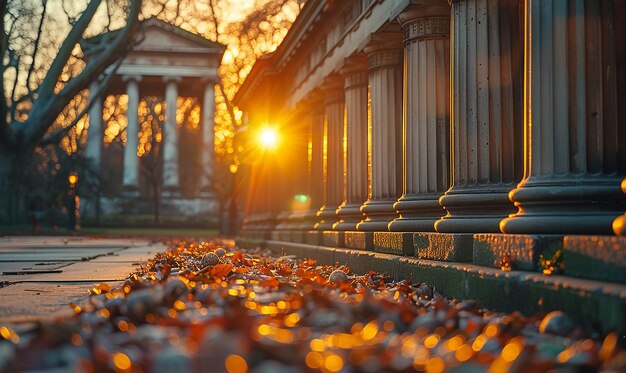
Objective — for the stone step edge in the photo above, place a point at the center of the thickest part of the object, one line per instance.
(593, 303)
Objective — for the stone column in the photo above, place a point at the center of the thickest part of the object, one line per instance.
(333, 169)
(384, 54)
(131, 159)
(94, 132)
(316, 161)
(355, 86)
(208, 134)
(575, 119)
(426, 150)
(487, 72)
(170, 136)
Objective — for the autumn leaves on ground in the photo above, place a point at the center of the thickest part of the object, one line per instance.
(210, 307)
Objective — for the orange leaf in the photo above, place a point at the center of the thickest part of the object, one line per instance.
(272, 282)
(286, 270)
(221, 270)
(238, 257)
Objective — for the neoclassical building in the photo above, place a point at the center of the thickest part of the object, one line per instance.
(462, 131)
(168, 62)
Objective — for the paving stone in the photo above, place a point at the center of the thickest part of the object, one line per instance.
(359, 240)
(595, 257)
(522, 249)
(30, 301)
(400, 243)
(131, 255)
(46, 242)
(450, 247)
(79, 271)
(333, 238)
(30, 267)
(55, 255)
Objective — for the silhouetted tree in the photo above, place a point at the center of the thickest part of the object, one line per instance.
(43, 78)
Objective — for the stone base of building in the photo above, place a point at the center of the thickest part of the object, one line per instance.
(503, 272)
(132, 209)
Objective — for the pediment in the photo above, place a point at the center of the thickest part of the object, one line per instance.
(155, 37)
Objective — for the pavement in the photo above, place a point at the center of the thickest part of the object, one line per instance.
(41, 276)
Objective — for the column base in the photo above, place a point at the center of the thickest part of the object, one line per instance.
(328, 217)
(379, 213)
(309, 220)
(418, 213)
(475, 210)
(206, 193)
(350, 215)
(170, 192)
(130, 191)
(573, 206)
(282, 222)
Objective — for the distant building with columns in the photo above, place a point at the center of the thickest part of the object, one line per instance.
(167, 63)
(466, 136)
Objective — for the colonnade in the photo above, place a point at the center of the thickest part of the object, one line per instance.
(170, 145)
(476, 116)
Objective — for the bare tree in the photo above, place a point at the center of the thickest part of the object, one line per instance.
(31, 104)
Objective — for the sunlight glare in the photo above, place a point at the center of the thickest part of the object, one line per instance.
(268, 138)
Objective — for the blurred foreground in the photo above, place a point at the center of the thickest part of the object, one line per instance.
(213, 307)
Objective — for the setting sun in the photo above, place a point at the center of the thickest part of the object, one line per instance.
(268, 137)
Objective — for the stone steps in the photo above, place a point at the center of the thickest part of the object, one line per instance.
(591, 288)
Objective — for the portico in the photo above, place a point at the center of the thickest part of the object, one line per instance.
(168, 63)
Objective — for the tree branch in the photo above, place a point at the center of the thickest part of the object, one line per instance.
(46, 89)
(56, 136)
(46, 110)
(44, 3)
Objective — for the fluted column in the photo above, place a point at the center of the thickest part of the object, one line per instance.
(208, 134)
(131, 159)
(94, 132)
(575, 122)
(316, 161)
(355, 87)
(333, 168)
(426, 119)
(384, 55)
(486, 114)
(170, 136)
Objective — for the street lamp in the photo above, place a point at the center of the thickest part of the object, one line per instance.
(72, 202)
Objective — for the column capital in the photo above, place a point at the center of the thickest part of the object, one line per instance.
(384, 49)
(354, 71)
(175, 79)
(132, 78)
(332, 89)
(425, 19)
(312, 101)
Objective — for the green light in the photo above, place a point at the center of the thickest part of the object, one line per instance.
(301, 197)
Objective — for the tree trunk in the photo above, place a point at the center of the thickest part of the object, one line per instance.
(98, 207)
(13, 187)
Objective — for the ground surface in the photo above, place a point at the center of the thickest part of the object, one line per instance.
(212, 307)
(40, 276)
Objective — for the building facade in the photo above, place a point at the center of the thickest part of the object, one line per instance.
(464, 120)
(167, 63)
